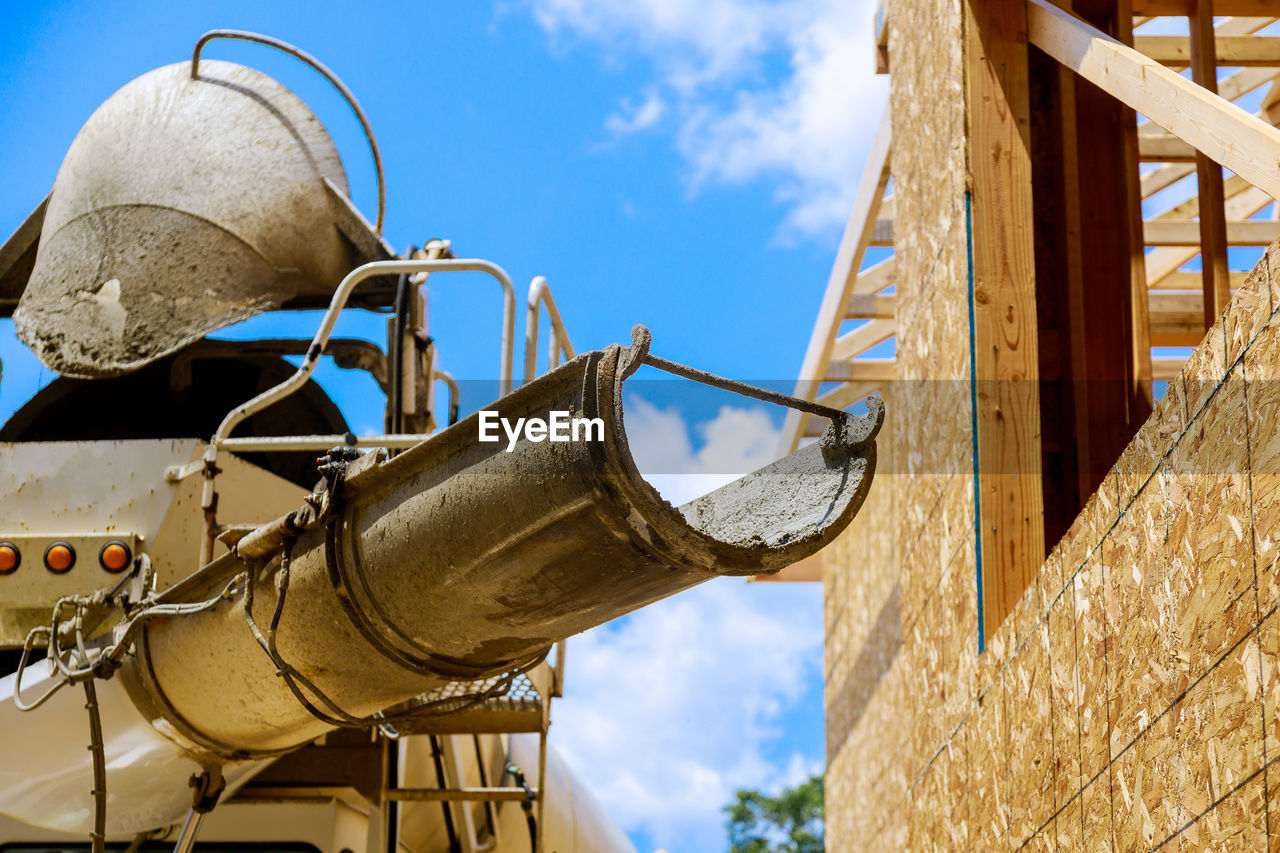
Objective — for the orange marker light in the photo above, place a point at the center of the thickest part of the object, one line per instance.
(59, 557)
(10, 557)
(115, 556)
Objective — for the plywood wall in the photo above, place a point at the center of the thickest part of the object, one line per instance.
(1133, 698)
(900, 585)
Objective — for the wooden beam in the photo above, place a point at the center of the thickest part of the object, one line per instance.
(808, 569)
(1192, 281)
(844, 396)
(1172, 232)
(887, 207)
(1178, 339)
(882, 234)
(1056, 196)
(1270, 107)
(875, 278)
(1167, 368)
(844, 275)
(1232, 88)
(867, 369)
(841, 397)
(861, 339)
(1177, 316)
(882, 37)
(1183, 8)
(1233, 51)
(1006, 368)
(1164, 261)
(1164, 148)
(870, 306)
(1190, 207)
(1226, 133)
(1165, 177)
(1213, 219)
(1141, 396)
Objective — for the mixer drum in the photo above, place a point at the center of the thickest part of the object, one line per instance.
(183, 205)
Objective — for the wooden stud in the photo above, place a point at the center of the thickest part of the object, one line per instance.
(1141, 397)
(1091, 280)
(1213, 220)
(1006, 367)
(1057, 226)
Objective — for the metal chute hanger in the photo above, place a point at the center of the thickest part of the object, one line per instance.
(262, 611)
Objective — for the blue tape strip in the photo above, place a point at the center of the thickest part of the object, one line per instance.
(973, 412)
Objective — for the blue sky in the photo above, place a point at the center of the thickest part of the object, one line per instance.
(679, 164)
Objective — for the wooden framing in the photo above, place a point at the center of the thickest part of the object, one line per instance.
(1175, 239)
(1235, 51)
(1177, 314)
(843, 281)
(1003, 305)
(865, 370)
(1110, 323)
(1173, 232)
(1138, 378)
(1222, 130)
(1242, 201)
(1182, 8)
(1213, 222)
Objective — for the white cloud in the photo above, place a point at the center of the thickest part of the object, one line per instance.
(694, 42)
(668, 711)
(737, 442)
(782, 92)
(671, 709)
(633, 118)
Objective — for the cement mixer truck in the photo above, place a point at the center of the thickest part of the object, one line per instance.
(226, 617)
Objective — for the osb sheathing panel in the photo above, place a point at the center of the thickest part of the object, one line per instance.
(936, 494)
(897, 767)
(1144, 609)
(1064, 697)
(1132, 699)
(1269, 684)
(866, 734)
(1145, 796)
(1210, 551)
(1029, 709)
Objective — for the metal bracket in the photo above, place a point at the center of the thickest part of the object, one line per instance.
(206, 788)
(847, 434)
(178, 473)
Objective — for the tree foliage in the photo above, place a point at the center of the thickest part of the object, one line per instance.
(791, 822)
